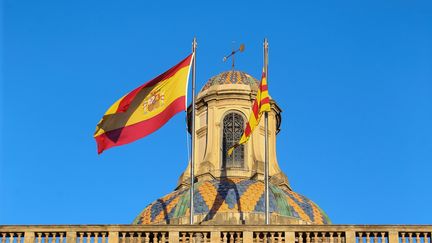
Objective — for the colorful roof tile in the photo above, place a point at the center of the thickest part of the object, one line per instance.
(236, 195)
(232, 77)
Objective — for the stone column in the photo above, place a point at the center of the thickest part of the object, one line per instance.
(350, 236)
(29, 237)
(113, 237)
(247, 236)
(215, 237)
(289, 237)
(393, 237)
(71, 237)
(173, 236)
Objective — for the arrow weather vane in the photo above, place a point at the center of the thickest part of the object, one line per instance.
(241, 49)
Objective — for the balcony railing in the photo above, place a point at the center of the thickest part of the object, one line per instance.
(217, 233)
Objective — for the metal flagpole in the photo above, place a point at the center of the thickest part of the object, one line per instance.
(192, 164)
(266, 155)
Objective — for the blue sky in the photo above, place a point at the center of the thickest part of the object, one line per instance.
(354, 80)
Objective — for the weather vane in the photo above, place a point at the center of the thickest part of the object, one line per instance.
(241, 49)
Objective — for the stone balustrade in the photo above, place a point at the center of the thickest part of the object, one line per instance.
(216, 233)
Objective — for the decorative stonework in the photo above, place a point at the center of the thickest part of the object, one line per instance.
(216, 234)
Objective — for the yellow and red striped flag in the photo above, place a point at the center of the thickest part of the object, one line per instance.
(145, 109)
(261, 104)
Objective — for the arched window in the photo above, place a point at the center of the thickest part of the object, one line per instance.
(233, 126)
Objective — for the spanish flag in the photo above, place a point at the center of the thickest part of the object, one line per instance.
(261, 104)
(145, 109)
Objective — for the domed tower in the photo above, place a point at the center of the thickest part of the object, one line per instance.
(230, 189)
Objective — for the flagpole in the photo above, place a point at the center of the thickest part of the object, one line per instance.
(266, 155)
(192, 164)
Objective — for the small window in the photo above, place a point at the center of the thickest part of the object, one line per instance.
(233, 126)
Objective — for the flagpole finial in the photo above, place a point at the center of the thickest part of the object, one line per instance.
(265, 54)
(265, 43)
(194, 43)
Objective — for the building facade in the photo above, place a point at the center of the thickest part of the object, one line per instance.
(229, 191)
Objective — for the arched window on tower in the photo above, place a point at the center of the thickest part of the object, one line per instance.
(233, 126)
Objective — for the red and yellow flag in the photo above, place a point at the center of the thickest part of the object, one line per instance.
(145, 109)
(261, 104)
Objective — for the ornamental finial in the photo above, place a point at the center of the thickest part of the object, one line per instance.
(241, 49)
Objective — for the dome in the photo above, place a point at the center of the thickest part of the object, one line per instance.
(232, 77)
(230, 196)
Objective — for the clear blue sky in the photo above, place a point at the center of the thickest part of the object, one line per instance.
(354, 80)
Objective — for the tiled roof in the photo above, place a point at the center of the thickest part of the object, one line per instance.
(233, 195)
(231, 77)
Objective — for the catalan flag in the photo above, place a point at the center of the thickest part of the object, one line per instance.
(144, 109)
(261, 104)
